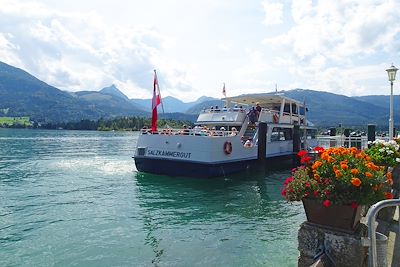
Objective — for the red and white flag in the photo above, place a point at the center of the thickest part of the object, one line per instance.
(155, 102)
(224, 91)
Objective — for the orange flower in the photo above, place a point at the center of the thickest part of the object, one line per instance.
(389, 175)
(324, 156)
(330, 159)
(344, 166)
(359, 156)
(316, 177)
(354, 171)
(389, 181)
(368, 174)
(372, 166)
(355, 181)
(316, 164)
(338, 174)
(388, 195)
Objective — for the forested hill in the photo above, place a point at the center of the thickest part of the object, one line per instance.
(22, 94)
(330, 109)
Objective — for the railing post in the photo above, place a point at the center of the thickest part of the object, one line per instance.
(371, 215)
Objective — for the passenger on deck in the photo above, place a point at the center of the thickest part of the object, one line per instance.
(204, 131)
(222, 131)
(248, 144)
(185, 130)
(197, 130)
(234, 131)
(212, 132)
(258, 109)
(145, 130)
(252, 115)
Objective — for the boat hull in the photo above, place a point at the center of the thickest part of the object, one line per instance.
(207, 170)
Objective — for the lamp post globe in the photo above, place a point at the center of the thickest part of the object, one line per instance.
(392, 76)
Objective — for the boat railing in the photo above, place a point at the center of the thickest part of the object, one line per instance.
(371, 219)
(360, 142)
(191, 132)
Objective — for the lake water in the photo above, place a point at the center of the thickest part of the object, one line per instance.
(74, 198)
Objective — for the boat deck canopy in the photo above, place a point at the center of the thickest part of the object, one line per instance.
(262, 99)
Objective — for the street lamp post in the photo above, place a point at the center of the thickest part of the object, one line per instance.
(392, 76)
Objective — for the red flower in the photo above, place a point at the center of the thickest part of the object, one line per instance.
(315, 193)
(388, 195)
(305, 159)
(327, 192)
(288, 180)
(308, 184)
(302, 153)
(283, 192)
(319, 149)
(354, 205)
(326, 203)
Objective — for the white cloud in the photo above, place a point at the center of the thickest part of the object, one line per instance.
(330, 45)
(79, 51)
(273, 12)
(331, 41)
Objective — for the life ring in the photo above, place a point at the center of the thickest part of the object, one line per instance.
(275, 117)
(227, 147)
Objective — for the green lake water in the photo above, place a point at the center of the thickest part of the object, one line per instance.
(74, 198)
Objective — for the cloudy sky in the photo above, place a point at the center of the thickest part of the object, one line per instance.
(340, 46)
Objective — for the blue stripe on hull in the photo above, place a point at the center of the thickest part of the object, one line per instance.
(203, 170)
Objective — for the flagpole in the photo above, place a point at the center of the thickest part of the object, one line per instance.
(159, 92)
(224, 93)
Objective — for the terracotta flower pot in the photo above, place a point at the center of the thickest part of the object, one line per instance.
(338, 217)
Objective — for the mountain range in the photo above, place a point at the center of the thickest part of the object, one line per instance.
(22, 94)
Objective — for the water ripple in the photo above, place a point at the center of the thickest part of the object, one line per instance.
(70, 198)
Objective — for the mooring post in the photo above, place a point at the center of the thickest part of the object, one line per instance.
(262, 141)
(371, 132)
(296, 145)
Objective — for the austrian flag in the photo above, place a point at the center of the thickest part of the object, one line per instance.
(155, 102)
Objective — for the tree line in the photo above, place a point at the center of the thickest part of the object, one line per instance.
(117, 124)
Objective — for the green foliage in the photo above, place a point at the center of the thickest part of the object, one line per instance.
(384, 153)
(118, 124)
(15, 122)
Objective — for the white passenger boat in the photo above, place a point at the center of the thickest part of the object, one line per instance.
(230, 139)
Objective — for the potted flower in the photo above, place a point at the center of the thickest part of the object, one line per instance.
(336, 184)
(387, 154)
(384, 153)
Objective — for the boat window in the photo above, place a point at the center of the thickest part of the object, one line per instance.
(302, 110)
(281, 134)
(286, 108)
(275, 107)
(294, 108)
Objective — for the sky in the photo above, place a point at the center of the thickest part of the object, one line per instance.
(338, 46)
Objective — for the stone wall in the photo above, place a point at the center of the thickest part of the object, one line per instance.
(343, 249)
